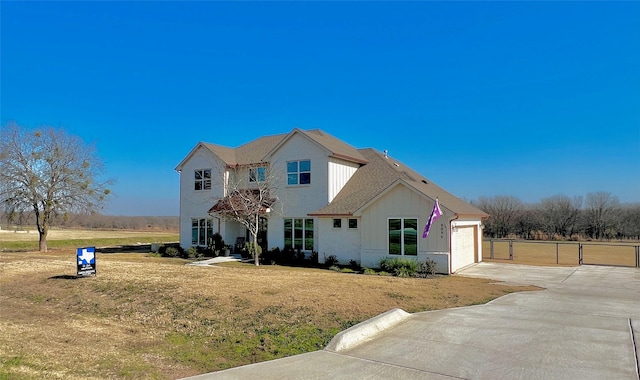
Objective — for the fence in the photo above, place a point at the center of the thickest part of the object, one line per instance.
(563, 253)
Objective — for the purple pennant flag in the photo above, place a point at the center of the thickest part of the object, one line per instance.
(435, 214)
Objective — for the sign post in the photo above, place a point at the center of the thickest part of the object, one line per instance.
(86, 261)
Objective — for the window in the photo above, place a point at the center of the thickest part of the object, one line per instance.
(202, 179)
(201, 231)
(353, 223)
(298, 234)
(257, 175)
(299, 172)
(403, 236)
(337, 223)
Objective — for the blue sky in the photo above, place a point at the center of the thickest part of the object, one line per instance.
(529, 99)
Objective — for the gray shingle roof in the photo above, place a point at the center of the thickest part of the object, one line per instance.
(255, 151)
(376, 177)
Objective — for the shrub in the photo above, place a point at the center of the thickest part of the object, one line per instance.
(330, 260)
(369, 271)
(172, 252)
(314, 258)
(354, 265)
(192, 252)
(399, 266)
(216, 244)
(427, 268)
(347, 270)
(335, 268)
(299, 255)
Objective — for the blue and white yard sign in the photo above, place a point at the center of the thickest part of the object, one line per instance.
(86, 261)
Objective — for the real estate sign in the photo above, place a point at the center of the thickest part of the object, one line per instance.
(86, 261)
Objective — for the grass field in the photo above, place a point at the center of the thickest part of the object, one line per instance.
(69, 238)
(156, 318)
(562, 253)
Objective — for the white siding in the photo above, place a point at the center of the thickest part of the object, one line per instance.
(403, 202)
(297, 201)
(340, 172)
(196, 203)
(342, 242)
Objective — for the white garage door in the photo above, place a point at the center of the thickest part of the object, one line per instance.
(465, 248)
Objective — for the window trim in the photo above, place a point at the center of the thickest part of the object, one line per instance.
(298, 173)
(204, 228)
(349, 223)
(303, 229)
(403, 249)
(204, 181)
(339, 223)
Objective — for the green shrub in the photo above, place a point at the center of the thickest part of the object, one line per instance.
(369, 271)
(172, 252)
(399, 266)
(192, 252)
(354, 265)
(347, 270)
(335, 268)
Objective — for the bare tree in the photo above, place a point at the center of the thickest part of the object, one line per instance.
(48, 172)
(559, 214)
(601, 210)
(630, 221)
(248, 201)
(504, 211)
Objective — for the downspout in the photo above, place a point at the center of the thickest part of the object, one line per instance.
(451, 242)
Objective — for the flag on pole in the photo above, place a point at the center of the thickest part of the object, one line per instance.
(435, 214)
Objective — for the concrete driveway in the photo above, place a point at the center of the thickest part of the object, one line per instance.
(585, 325)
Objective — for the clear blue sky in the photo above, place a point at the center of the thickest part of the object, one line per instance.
(529, 99)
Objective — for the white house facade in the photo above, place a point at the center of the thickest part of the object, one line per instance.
(330, 198)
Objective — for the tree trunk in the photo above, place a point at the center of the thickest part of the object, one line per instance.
(42, 242)
(254, 234)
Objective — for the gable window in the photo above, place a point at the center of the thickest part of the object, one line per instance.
(202, 179)
(337, 223)
(299, 172)
(201, 231)
(353, 223)
(298, 233)
(257, 174)
(403, 236)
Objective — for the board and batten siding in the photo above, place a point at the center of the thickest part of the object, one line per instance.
(403, 202)
(340, 171)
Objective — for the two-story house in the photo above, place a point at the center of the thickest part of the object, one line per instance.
(356, 204)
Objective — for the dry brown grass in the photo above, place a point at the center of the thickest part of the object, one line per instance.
(544, 253)
(147, 317)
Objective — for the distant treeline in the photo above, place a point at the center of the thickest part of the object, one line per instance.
(598, 216)
(139, 223)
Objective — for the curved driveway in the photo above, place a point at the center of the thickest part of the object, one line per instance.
(584, 325)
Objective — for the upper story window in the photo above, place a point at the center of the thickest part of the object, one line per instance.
(202, 179)
(257, 174)
(299, 172)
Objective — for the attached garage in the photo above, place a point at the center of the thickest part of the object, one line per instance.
(464, 250)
